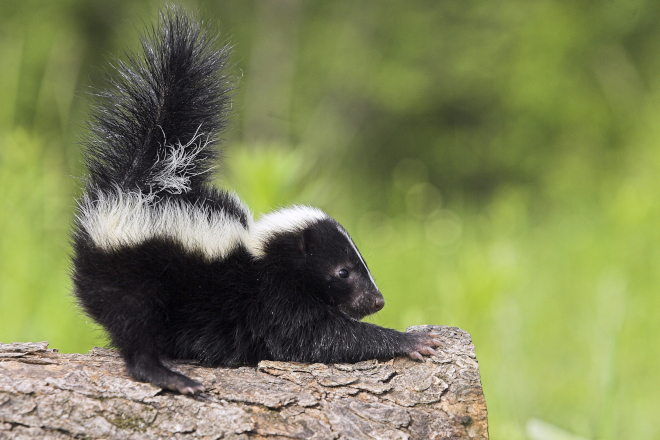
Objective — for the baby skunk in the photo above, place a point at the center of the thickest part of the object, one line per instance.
(173, 267)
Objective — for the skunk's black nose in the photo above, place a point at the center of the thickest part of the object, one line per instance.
(379, 304)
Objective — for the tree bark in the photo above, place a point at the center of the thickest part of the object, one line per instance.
(46, 394)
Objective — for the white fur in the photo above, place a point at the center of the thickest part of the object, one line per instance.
(289, 219)
(178, 165)
(355, 249)
(120, 219)
(123, 219)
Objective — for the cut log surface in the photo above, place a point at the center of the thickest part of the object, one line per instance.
(46, 394)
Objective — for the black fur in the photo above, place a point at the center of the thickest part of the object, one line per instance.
(156, 298)
(169, 92)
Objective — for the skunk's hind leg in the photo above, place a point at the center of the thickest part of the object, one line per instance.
(145, 366)
(137, 329)
(138, 344)
(122, 292)
(134, 319)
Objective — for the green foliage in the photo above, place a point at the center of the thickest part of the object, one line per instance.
(497, 163)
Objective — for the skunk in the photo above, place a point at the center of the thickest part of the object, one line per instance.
(173, 267)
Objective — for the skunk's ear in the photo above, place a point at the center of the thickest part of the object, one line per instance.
(306, 241)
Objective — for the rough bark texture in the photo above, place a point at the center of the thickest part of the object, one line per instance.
(46, 394)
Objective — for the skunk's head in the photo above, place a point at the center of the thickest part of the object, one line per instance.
(307, 246)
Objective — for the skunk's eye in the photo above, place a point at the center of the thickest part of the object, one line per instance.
(343, 273)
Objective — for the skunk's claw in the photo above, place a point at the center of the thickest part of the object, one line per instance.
(423, 345)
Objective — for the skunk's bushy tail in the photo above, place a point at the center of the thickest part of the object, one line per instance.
(154, 127)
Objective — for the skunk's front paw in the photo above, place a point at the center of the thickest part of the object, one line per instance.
(422, 344)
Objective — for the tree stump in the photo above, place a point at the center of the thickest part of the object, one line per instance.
(46, 394)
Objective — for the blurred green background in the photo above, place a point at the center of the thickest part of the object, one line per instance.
(497, 162)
